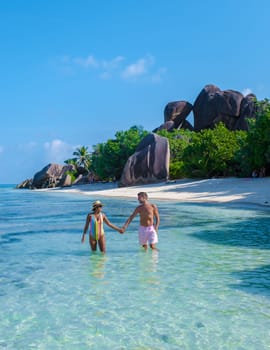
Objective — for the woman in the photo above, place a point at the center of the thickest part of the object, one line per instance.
(96, 232)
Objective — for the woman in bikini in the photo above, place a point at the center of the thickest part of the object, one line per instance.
(96, 233)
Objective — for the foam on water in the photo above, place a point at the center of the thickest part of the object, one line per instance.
(207, 288)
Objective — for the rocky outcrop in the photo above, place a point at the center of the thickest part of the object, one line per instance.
(149, 164)
(65, 180)
(230, 107)
(52, 175)
(169, 126)
(212, 106)
(25, 184)
(175, 114)
(248, 110)
(83, 179)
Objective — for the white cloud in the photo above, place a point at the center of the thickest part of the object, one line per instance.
(115, 68)
(1, 149)
(86, 62)
(246, 91)
(139, 68)
(113, 63)
(58, 151)
(91, 62)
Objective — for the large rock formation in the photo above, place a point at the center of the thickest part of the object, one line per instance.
(230, 107)
(212, 106)
(149, 164)
(175, 114)
(52, 175)
(248, 109)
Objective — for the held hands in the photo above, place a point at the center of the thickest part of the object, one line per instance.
(121, 230)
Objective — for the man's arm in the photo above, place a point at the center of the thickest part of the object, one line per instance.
(132, 216)
(156, 216)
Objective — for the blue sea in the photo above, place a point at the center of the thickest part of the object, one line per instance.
(208, 286)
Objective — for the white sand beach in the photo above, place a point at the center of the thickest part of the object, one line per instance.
(255, 191)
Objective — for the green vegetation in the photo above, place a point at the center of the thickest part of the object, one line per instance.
(179, 140)
(82, 157)
(255, 155)
(212, 152)
(109, 158)
(208, 153)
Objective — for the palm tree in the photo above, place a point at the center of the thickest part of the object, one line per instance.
(83, 157)
(71, 161)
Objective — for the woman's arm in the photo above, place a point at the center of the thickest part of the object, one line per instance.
(111, 225)
(87, 221)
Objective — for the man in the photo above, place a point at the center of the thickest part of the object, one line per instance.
(149, 221)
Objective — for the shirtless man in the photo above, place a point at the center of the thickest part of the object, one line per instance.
(149, 221)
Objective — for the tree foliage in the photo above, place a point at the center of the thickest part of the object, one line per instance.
(109, 158)
(256, 152)
(178, 141)
(82, 157)
(212, 152)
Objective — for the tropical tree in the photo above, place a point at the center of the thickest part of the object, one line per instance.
(82, 157)
(71, 161)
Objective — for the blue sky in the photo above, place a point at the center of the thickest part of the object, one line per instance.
(75, 72)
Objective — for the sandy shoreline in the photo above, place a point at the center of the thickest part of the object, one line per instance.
(225, 190)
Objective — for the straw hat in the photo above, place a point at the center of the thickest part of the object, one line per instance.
(96, 204)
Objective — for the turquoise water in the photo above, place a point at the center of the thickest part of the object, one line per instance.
(207, 288)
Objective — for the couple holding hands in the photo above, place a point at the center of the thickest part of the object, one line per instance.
(149, 222)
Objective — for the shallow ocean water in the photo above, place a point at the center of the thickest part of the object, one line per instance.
(208, 287)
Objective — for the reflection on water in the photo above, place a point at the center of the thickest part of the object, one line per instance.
(148, 267)
(97, 265)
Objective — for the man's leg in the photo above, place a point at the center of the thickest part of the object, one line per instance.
(143, 237)
(153, 239)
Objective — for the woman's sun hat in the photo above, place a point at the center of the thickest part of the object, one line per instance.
(97, 204)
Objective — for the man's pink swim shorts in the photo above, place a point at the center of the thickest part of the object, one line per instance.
(147, 234)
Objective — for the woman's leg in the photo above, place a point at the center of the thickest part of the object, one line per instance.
(93, 243)
(102, 244)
